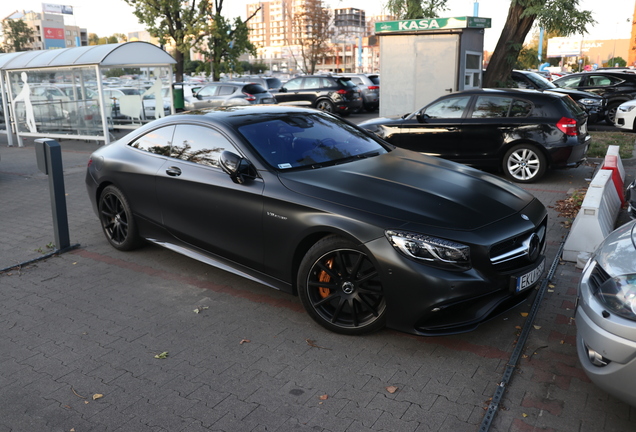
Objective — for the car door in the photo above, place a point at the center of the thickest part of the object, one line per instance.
(290, 93)
(202, 206)
(436, 129)
(206, 97)
(491, 122)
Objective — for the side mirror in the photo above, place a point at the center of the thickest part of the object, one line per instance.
(421, 117)
(282, 90)
(236, 167)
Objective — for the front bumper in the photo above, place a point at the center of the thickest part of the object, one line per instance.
(608, 358)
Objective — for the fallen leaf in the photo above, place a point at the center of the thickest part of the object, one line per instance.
(201, 308)
(524, 356)
(324, 397)
(86, 402)
(163, 355)
(518, 327)
(562, 342)
(551, 286)
(537, 327)
(244, 341)
(312, 343)
(391, 389)
(525, 415)
(97, 396)
(524, 314)
(550, 290)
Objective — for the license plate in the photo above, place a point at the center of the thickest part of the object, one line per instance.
(584, 128)
(529, 279)
(268, 101)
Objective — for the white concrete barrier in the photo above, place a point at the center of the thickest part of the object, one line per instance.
(595, 219)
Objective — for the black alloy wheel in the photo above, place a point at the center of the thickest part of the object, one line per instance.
(524, 163)
(116, 218)
(340, 288)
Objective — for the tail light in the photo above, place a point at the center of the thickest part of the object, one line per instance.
(90, 162)
(342, 92)
(374, 87)
(567, 126)
(249, 97)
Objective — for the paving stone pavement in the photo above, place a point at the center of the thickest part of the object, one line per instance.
(79, 333)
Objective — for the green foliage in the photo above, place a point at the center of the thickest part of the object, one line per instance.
(415, 9)
(17, 35)
(192, 66)
(225, 41)
(616, 61)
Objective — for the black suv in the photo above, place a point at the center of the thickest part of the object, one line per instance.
(522, 132)
(592, 103)
(616, 87)
(332, 93)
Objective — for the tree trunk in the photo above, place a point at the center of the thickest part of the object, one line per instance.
(508, 47)
(178, 56)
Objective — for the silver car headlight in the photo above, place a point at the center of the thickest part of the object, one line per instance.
(434, 251)
(618, 295)
(586, 101)
(626, 108)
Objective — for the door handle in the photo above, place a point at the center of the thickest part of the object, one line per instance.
(173, 171)
(450, 90)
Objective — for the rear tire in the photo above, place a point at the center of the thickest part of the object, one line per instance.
(117, 220)
(325, 105)
(524, 163)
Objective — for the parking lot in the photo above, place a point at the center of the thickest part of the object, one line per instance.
(101, 340)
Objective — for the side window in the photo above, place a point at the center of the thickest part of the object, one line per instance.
(207, 91)
(568, 82)
(519, 82)
(520, 108)
(226, 90)
(156, 141)
(199, 144)
(491, 107)
(356, 80)
(312, 83)
(453, 107)
(293, 84)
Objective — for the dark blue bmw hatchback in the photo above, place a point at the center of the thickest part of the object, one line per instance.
(521, 132)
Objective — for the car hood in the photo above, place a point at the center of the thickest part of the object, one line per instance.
(413, 188)
(383, 121)
(574, 94)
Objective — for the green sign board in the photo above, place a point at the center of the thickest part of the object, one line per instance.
(428, 24)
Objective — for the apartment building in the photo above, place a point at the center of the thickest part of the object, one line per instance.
(50, 32)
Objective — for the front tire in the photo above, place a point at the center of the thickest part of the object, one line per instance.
(340, 288)
(524, 163)
(117, 220)
(610, 114)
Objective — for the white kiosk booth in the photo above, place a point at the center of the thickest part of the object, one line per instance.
(421, 60)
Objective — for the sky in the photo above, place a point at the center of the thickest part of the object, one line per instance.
(612, 22)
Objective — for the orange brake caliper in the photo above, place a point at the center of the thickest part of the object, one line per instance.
(324, 277)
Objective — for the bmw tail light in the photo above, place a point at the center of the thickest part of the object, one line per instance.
(567, 126)
(342, 92)
(374, 87)
(249, 97)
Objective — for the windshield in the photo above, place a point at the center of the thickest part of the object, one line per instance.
(540, 81)
(308, 140)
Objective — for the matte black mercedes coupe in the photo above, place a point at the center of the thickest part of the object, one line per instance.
(366, 234)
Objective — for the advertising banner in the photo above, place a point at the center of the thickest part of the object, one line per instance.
(57, 9)
(53, 33)
(564, 47)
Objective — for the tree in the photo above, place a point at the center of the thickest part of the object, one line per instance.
(179, 21)
(225, 42)
(559, 16)
(312, 30)
(415, 9)
(93, 39)
(616, 61)
(17, 35)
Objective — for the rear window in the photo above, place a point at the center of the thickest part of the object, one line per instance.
(375, 79)
(254, 89)
(345, 82)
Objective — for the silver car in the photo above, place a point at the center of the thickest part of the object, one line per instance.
(234, 93)
(606, 315)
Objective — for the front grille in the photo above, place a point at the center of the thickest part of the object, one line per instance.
(519, 251)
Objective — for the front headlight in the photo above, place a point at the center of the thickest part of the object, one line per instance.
(618, 294)
(626, 108)
(434, 251)
(586, 101)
